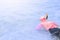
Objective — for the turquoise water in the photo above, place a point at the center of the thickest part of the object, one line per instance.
(18, 18)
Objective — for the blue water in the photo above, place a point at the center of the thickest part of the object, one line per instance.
(18, 18)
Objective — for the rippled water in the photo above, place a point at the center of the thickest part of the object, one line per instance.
(18, 18)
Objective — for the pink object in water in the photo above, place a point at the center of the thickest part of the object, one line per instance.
(46, 24)
(39, 26)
